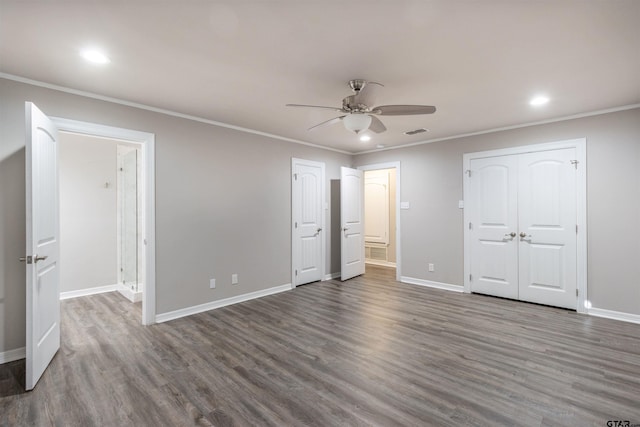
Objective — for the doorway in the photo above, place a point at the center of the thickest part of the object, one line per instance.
(382, 190)
(142, 227)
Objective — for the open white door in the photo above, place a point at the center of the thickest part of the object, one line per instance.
(352, 218)
(43, 299)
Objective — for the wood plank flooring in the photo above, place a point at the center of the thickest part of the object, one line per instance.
(369, 351)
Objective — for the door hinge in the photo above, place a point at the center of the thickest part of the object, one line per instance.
(470, 226)
(470, 278)
(295, 176)
(296, 272)
(576, 292)
(296, 224)
(575, 163)
(576, 228)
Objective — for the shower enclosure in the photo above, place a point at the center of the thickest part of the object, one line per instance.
(129, 223)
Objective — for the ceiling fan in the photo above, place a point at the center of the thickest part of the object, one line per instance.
(358, 116)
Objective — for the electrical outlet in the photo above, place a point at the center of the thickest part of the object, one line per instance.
(212, 283)
(234, 279)
(431, 267)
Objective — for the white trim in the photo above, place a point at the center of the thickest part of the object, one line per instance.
(616, 315)
(161, 111)
(126, 292)
(331, 276)
(13, 355)
(500, 129)
(431, 284)
(146, 141)
(176, 314)
(324, 207)
(396, 166)
(380, 263)
(580, 145)
(88, 291)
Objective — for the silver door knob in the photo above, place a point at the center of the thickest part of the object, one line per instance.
(318, 230)
(40, 258)
(511, 235)
(523, 234)
(345, 228)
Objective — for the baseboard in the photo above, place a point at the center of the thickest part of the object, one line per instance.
(331, 276)
(616, 315)
(176, 314)
(380, 263)
(12, 355)
(88, 291)
(129, 294)
(431, 284)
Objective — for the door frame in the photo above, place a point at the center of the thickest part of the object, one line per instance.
(146, 143)
(294, 200)
(580, 145)
(390, 165)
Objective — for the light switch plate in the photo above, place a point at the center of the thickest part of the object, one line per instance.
(461, 204)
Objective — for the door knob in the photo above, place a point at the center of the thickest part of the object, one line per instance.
(40, 258)
(523, 234)
(511, 235)
(318, 230)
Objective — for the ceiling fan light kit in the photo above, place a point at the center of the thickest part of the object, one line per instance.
(357, 122)
(358, 116)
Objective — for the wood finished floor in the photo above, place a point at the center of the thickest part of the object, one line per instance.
(369, 351)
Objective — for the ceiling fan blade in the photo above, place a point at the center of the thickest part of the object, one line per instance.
(403, 110)
(376, 125)
(327, 123)
(314, 106)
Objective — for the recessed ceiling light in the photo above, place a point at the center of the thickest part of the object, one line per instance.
(365, 138)
(95, 56)
(538, 100)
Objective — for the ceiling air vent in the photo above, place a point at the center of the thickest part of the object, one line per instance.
(416, 131)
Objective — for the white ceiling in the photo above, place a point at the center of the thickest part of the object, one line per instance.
(239, 62)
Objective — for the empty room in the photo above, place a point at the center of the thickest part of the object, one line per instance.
(287, 213)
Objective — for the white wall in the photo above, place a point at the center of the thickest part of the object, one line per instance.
(432, 176)
(87, 212)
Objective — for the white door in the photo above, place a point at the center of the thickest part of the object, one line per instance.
(352, 219)
(376, 206)
(523, 215)
(43, 299)
(308, 233)
(494, 225)
(547, 223)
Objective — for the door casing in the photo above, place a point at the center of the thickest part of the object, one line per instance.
(146, 142)
(580, 145)
(396, 166)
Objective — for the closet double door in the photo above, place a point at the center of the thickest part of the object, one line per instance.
(523, 216)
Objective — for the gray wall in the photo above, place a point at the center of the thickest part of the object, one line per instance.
(223, 202)
(432, 230)
(88, 226)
